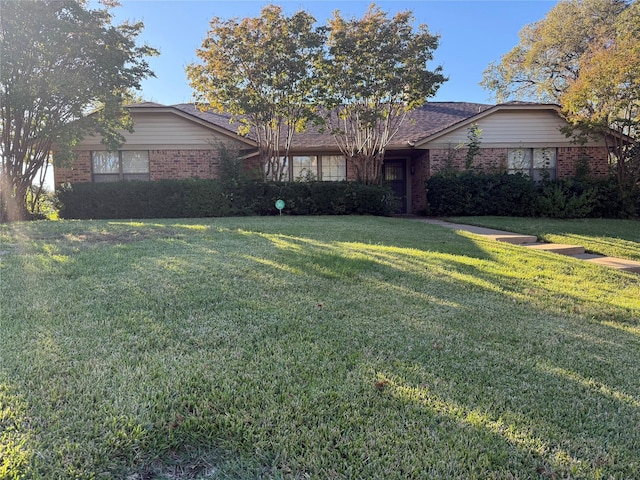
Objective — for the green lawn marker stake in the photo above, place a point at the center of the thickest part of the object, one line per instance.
(280, 205)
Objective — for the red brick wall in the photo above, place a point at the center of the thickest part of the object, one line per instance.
(163, 164)
(78, 172)
(569, 156)
(419, 167)
(495, 160)
(175, 164)
(489, 159)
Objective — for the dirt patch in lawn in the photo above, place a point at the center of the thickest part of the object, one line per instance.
(104, 237)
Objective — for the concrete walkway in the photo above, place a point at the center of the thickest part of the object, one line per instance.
(531, 241)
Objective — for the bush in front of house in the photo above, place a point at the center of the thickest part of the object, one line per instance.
(194, 198)
(327, 198)
(161, 199)
(477, 194)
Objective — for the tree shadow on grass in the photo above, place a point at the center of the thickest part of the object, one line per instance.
(288, 337)
(574, 372)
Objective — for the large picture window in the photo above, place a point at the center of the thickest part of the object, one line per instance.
(122, 165)
(537, 163)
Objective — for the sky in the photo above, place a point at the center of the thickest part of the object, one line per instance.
(473, 33)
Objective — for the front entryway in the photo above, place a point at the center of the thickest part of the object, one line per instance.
(394, 174)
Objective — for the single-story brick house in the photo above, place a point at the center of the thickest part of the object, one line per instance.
(180, 141)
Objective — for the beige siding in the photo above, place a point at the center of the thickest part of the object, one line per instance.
(508, 128)
(166, 131)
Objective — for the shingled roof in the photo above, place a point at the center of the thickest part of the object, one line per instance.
(419, 124)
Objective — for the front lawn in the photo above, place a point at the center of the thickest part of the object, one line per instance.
(310, 347)
(614, 238)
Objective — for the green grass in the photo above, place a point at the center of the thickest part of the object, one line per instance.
(294, 347)
(614, 238)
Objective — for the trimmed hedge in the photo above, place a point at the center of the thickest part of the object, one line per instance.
(474, 194)
(477, 194)
(193, 198)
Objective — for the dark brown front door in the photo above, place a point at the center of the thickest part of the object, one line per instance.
(394, 173)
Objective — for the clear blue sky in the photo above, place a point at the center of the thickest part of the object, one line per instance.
(473, 33)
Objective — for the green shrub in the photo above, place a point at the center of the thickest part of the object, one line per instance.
(216, 198)
(566, 198)
(327, 198)
(161, 199)
(471, 193)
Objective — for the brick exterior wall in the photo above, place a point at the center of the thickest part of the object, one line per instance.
(419, 166)
(176, 164)
(569, 158)
(163, 164)
(79, 172)
(488, 159)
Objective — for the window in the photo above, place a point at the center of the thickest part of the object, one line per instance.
(328, 168)
(304, 168)
(537, 163)
(284, 164)
(334, 168)
(122, 165)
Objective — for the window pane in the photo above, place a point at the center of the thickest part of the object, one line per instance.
(105, 162)
(519, 158)
(304, 168)
(334, 168)
(135, 162)
(544, 158)
(284, 162)
(393, 172)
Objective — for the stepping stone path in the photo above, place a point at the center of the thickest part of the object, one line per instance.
(531, 241)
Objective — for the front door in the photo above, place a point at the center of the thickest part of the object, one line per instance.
(394, 174)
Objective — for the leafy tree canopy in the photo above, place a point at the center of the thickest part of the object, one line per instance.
(64, 69)
(375, 72)
(547, 59)
(606, 95)
(260, 70)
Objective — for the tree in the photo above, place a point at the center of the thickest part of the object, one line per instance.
(375, 73)
(585, 56)
(260, 70)
(605, 99)
(59, 62)
(547, 59)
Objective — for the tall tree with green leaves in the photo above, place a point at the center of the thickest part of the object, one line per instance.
(605, 98)
(374, 74)
(547, 59)
(64, 69)
(260, 70)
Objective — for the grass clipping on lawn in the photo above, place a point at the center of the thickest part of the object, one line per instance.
(347, 347)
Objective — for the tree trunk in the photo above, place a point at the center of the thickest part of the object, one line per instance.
(13, 201)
